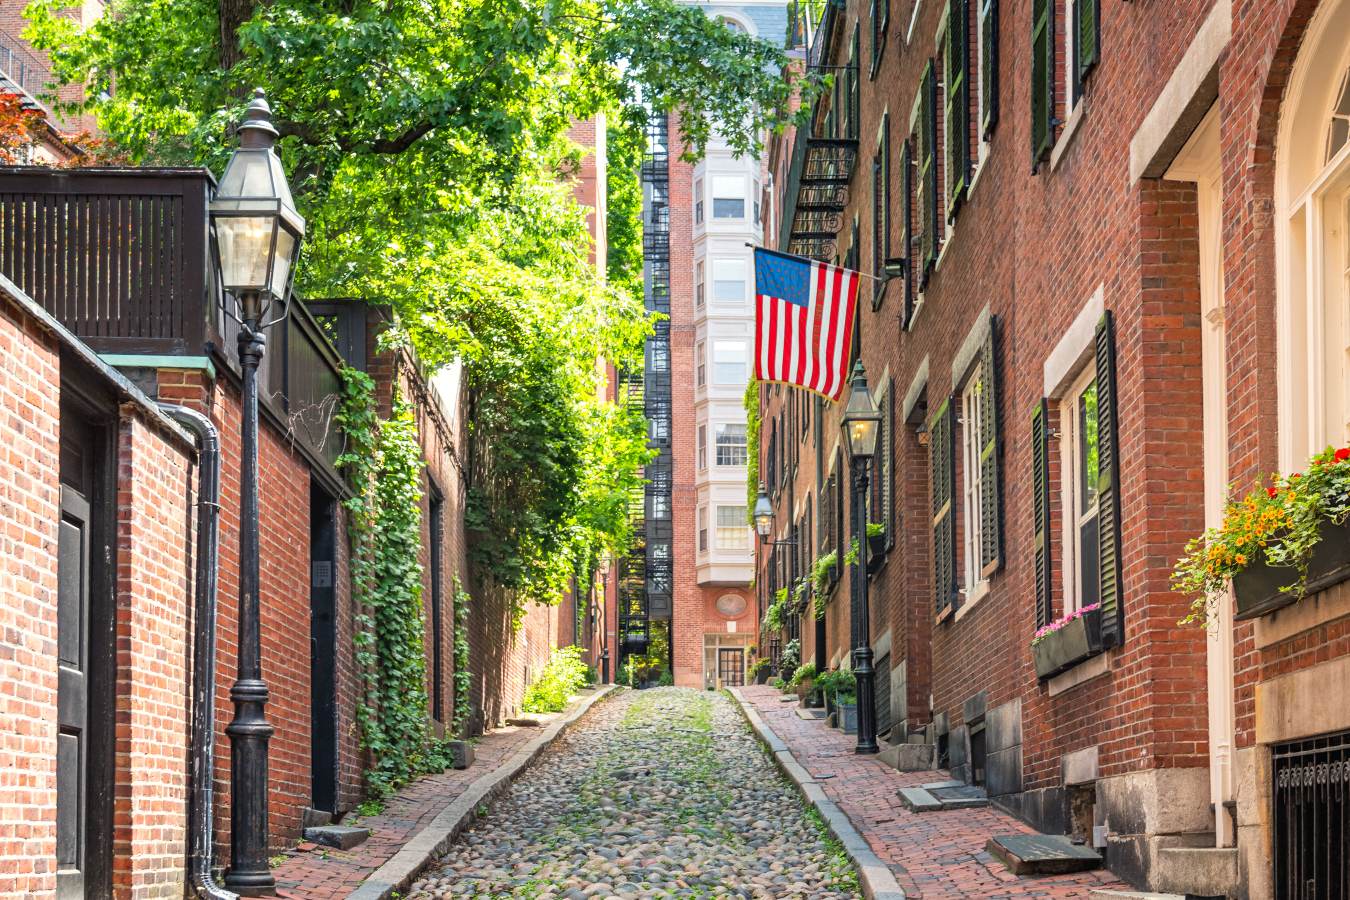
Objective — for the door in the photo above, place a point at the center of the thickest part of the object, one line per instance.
(323, 648)
(85, 666)
(731, 666)
(437, 561)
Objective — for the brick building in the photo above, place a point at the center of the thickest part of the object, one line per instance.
(1109, 253)
(110, 316)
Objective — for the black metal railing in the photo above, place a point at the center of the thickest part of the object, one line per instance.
(22, 68)
(1312, 818)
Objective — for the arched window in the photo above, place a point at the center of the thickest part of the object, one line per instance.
(1313, 242)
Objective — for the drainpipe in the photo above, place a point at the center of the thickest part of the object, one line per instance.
(201, 809)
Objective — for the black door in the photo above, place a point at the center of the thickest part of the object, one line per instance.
(85, 666)
(437, 561)
(731, 666)
(323, 647)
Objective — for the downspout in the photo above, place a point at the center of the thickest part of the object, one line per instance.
(201, 808)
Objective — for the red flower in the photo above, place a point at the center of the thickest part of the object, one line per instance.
(1343, 454)
(1296, 476)
(1272, 492)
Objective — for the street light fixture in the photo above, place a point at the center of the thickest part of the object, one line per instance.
(861, 424)
(763, 513)
(257, 235)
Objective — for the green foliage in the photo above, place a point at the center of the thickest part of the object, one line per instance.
(775, 617)
(383, 463)
(791, 656)
(463, 677)
(752, 421)
(760, 665)
(822, 572)
(624, 145)
(1278, 523)
(838, 683)
(803, 673)
(562, 676)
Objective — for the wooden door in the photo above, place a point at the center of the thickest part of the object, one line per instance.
(731, 666)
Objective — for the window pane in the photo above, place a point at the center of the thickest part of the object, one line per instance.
(1087, 448)
(729, 291)
(732, 531)
(729, 362)
(731, 444)
(1089, 587)
(729, 280)
(726, 208)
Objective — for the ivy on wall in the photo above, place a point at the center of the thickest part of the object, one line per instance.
(751, 402)
(383, 462)
(463, 678)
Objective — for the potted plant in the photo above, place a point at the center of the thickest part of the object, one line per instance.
(876, 546)
(761, 669)
(1283, 541)
(803, 681)
(846, 702)
(1068, 640)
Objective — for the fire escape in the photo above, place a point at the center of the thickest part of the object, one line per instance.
(646, 579)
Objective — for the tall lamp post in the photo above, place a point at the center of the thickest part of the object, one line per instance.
(257, 235)
(862, 421)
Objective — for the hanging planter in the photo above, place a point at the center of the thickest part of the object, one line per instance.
(1281, 542)
(1068, 641)
(876, 547)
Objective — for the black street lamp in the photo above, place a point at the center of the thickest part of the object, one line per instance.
(257, 236)
(861, 423)
(763, 516)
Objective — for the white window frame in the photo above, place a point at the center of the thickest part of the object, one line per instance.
(717, 444)
(744, 279)
(717, 361)
(703, 529)
(700, 284)
(721, 532)
(974, 435)
(698, 201)
(701, 364)
(1071, 487)
(739, 195)
(702, 447)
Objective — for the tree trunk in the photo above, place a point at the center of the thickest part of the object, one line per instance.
(232, 14)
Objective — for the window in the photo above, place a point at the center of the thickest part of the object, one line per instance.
(658, 426)
(1082, 36)
(702, 447)
(975, 433)
(1056, 90)
(956, 114)
(731, 446)
(700, 364)
(700, 284)
(926, 176)
(881, 211)
(755, 196)
(728, 197)
(987, 36)
(852, 86)
(732, 531)
(880, 14)
(1081, 514)
(1043, 116)
(729, 280)
(703, 529)
(660, 506)
(698, 201)
(881, 484)
(658, 353)
(729, 362)
(908, 239)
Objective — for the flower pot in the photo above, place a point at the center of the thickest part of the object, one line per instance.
(1258, 588)
(876, 552)
(1070, 645)
(762, 675)
(848, 717)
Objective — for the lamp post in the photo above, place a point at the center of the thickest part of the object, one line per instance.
(862, 421)
(257, 235)
(763, 514)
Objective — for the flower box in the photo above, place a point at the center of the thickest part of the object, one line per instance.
(1258, 588)
(1075, 641)
(762, 674)
(848, 717)
(876, 552)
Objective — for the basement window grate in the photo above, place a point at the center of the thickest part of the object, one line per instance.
(1312, 818)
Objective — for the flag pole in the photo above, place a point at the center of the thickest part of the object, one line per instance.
(809, 259)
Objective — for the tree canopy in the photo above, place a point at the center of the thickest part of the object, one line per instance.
(428, 147)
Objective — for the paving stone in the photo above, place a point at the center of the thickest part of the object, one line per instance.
(966, 796)
(343, 837)
(1042, 854)
(810, 714)
(916, 799)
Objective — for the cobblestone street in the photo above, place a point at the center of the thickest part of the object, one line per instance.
(659, 793)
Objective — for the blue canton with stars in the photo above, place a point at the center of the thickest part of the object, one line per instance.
(783, 277)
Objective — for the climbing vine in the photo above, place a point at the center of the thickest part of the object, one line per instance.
(751, 401)
(463, 678)
(383, 463)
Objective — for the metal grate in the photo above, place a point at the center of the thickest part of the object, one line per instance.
(1312, 818)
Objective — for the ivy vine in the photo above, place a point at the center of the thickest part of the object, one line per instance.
(751, 402)
(383, 463)
(463, 678)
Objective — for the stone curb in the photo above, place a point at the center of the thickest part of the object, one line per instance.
(876, 878)
(433, 840)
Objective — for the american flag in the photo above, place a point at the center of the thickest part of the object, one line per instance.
(804, 313)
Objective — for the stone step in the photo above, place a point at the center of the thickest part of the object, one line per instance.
(343, 837)
(918, 800)
(1134, 895)
(1042, 854)
(1196, 871)
(943, 795)
(908, 757)
(313, 818)
(810, 715)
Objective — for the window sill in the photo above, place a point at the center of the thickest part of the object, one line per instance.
(983, 157)
(1066, 136)
(976, 594)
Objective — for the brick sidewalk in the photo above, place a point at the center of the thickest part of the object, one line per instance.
(934, 855)
(322, 872)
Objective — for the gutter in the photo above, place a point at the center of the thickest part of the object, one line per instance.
(201, 803)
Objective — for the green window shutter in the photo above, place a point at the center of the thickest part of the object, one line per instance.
(956, 121)
(840, 531)
(928, 180)
(1108, 485)
(991, 494)
(988, 67)
(1040, 509)
(881, 212)
(907, 227)
(942, 462)
(1087, 16)
(1042, 79)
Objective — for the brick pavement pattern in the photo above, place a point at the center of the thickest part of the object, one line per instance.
(934, 855)
(317, 873)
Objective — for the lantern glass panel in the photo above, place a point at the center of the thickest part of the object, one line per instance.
(245, 244)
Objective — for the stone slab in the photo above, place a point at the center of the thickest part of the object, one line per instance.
(1135, 895)
(461, 754)
(343, 837)
(1042, 854)
(810, 715)
(524, 722)
(918, 800)
(908, 757)
(939, 785)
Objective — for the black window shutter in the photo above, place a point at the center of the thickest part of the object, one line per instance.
(957, 90)
(839, 530)
(991, 494)
(928, 180)
(1042, 79)
(907, 221)
(1040, 508)
(942, 461)
(1086, 40)
(988, 67)
(890, 520)
(881, 212)
(1108, 485)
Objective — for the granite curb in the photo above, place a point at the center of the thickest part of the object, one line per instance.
(876, 878)
(433, 840)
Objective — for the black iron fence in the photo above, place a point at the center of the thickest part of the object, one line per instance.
(1312, 818)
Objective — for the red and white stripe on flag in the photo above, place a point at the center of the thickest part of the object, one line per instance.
(804, 319)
